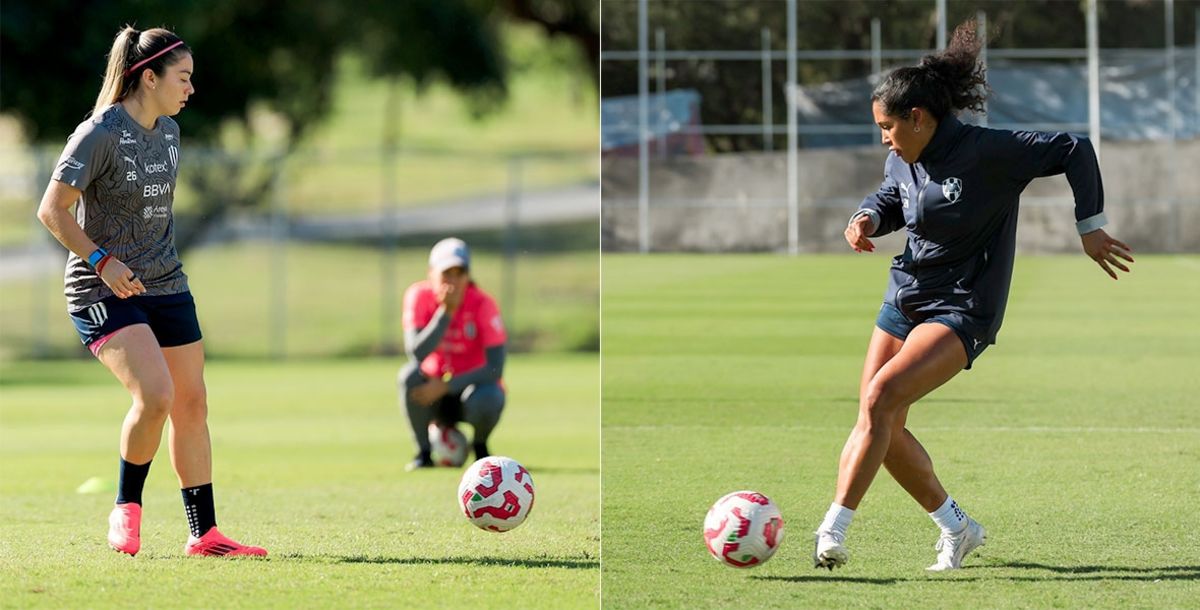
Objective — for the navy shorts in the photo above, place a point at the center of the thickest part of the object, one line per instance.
(893, 322)
(171, 317)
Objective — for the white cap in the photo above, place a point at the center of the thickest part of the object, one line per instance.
(448, 253)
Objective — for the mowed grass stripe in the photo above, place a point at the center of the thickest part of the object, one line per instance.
(308, 462)
(1074, 439)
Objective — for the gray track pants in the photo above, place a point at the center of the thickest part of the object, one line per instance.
(479, 405)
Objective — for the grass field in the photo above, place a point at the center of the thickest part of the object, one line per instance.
(1075, 439)
(334, 301)
(309, 463)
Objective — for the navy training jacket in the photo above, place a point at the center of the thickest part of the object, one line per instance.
(959, 205)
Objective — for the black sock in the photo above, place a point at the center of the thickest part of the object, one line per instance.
(481, 450)
(198, 504)
(132, 480)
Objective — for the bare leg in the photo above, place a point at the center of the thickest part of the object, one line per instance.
(930, 357)
(135, 359)
(909, 463)
(906, 459)
(188, 440)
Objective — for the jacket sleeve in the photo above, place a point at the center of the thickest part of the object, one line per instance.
(1033, 154)
(884, 206)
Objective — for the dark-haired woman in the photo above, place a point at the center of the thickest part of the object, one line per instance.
(954, 188)
(126, 291)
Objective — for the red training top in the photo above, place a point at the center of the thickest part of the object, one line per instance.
(475, 327)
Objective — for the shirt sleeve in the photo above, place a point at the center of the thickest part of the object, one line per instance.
(88, 154)
(884, 206)
(416, 315)
(490, 372)
(491, 326)
(1034, 154)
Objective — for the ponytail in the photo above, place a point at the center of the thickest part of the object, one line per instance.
(153, 49)
(943, 83)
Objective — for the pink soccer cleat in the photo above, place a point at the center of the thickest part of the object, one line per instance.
(125, 527)
(215, 544)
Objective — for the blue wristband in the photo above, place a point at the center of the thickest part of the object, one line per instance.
(95, 257)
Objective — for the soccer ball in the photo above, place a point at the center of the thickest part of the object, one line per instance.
(743, 529)
(447, 445)
(496, 493)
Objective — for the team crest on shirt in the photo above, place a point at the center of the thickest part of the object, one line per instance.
(904, 194)
(469, 330)
(952, 189)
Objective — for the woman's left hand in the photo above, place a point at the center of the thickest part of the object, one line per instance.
(1106, 250)
(429, 392)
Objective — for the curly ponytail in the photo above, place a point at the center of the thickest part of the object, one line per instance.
(943, 82)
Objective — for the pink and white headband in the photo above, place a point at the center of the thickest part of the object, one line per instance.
(152, 57)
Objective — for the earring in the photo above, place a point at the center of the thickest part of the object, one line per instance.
(917, 129)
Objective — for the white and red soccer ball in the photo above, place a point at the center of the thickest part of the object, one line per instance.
(447, 445)
(743, 529)
(496, 493)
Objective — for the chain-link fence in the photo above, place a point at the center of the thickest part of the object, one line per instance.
(728, 126)
(317, 264)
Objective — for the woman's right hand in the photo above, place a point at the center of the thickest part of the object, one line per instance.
(121, 280)
(856, 234)
(449, 297)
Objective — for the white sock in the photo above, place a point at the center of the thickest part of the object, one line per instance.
(949, 516)
(837, 519)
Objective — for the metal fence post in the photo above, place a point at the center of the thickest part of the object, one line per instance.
(643, 134)
(512, 210)
(1093, 55)
(1175, 239)
(660, 81)
(941, 24)
(876, 57)
(793, 156)
(278, 302)
(1169, 44)
(389, 305)
(42, 243)
(876, 50)
(768, 118)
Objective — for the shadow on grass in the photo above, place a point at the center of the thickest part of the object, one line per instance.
(863, 580)
(1113, 572)
(1060, 573)
(570, 564)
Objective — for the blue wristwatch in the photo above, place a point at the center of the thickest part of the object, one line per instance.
(95, 257)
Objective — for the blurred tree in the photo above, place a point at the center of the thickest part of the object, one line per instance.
(249, 54)
(579, 20)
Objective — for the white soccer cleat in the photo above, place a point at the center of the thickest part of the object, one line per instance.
(829, 550)
(952, 548)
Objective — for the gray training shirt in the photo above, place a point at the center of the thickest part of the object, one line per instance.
(127, 175)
